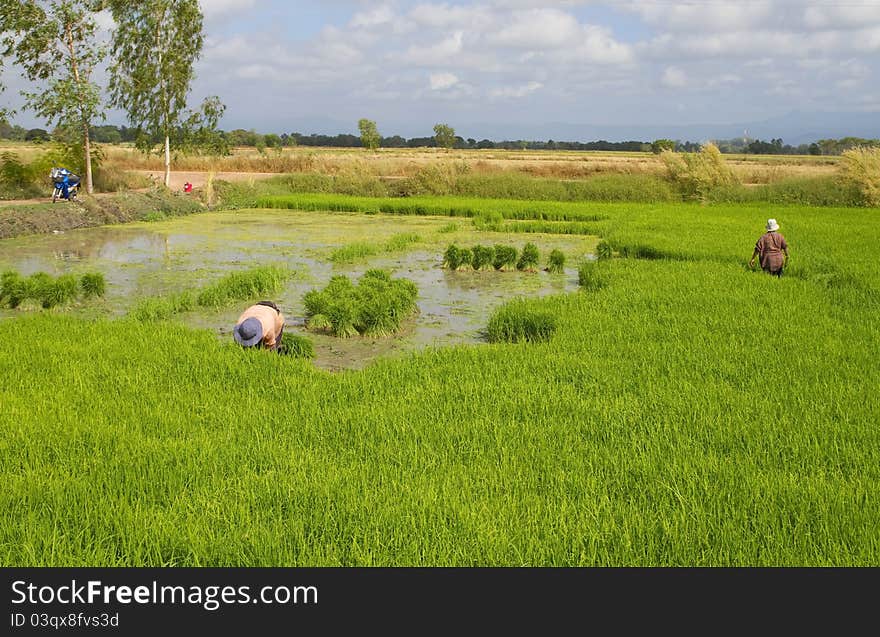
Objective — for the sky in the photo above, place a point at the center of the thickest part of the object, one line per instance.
(507, 65)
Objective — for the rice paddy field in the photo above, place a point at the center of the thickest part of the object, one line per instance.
(687, 411)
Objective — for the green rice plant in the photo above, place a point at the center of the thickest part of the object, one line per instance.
(556, 263)
(465, 257)
(452, 258)
(60, 291)
(646, 419)
(449, 228)
(352, 252)
(16, 289)
(521, 321)
(297, 346)
(162, 308)
(363, 250)
(10, 280)
(505, 257)
(400, 241)
(376, 306)
(261, 281)
(529, 258)
(92, 285)
(45, 290)
(604, 250)
(483, 257)
(593, 276)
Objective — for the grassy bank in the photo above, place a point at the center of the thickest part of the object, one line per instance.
(687, 412)
(634, 188)
(86, 212)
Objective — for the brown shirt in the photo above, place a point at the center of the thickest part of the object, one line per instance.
(271, 320)
(770, 247)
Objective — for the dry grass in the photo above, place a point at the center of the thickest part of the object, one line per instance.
(406, 163)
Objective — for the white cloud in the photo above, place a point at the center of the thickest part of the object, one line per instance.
(435, 54)
(214, 8)
(673, 77)
(537, 29)
(440, 81)
(374, 17)
(516, 91)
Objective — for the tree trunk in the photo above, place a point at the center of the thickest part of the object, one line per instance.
(167, 162)
(87, 149)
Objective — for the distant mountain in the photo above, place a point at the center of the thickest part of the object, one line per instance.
(794, 128)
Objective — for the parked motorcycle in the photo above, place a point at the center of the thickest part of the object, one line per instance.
(66, 184)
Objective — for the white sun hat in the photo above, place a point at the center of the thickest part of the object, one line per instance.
(772, 226)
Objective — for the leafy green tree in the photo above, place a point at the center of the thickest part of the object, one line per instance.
(56, 45)
(444, 135)
(274, 142)
(370, 136)
(659, 145)
(155, 46)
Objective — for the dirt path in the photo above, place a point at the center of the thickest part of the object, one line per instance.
(199, 179)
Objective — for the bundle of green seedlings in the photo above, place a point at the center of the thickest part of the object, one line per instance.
(528, 260)
(499, 257)
(556, 263)
(376, 306)
(237, 286)
(48, 291)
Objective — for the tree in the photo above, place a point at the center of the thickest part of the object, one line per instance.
(155, 46)
(37, 135)
(273, 141)
(659, 145)
(444, 135)
(370, 136)
(55, 44)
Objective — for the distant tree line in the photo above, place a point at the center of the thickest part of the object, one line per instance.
(110, 134)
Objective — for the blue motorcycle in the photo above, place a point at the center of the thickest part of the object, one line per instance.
(66, 184)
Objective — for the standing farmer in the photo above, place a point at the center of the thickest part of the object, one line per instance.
(772, 249)
(261, 325)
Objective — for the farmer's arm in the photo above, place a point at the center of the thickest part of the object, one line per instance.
(754, 256)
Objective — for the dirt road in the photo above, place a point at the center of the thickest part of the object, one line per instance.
(198, 179)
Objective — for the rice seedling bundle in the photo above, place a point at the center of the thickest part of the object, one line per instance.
(483, 257)
(451, 258)
(47, 291)
(556, 263)
(297, 346)
(505, 257)
(92, 285)
(376, 306)
(528, 259)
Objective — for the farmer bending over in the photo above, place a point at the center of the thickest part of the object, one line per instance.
(772, 249)
(261, 325)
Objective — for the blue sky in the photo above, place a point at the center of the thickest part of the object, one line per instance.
(513, 66)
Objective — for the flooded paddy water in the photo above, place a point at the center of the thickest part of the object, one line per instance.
(152, 259)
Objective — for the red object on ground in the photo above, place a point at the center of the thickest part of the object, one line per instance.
(187, 187)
